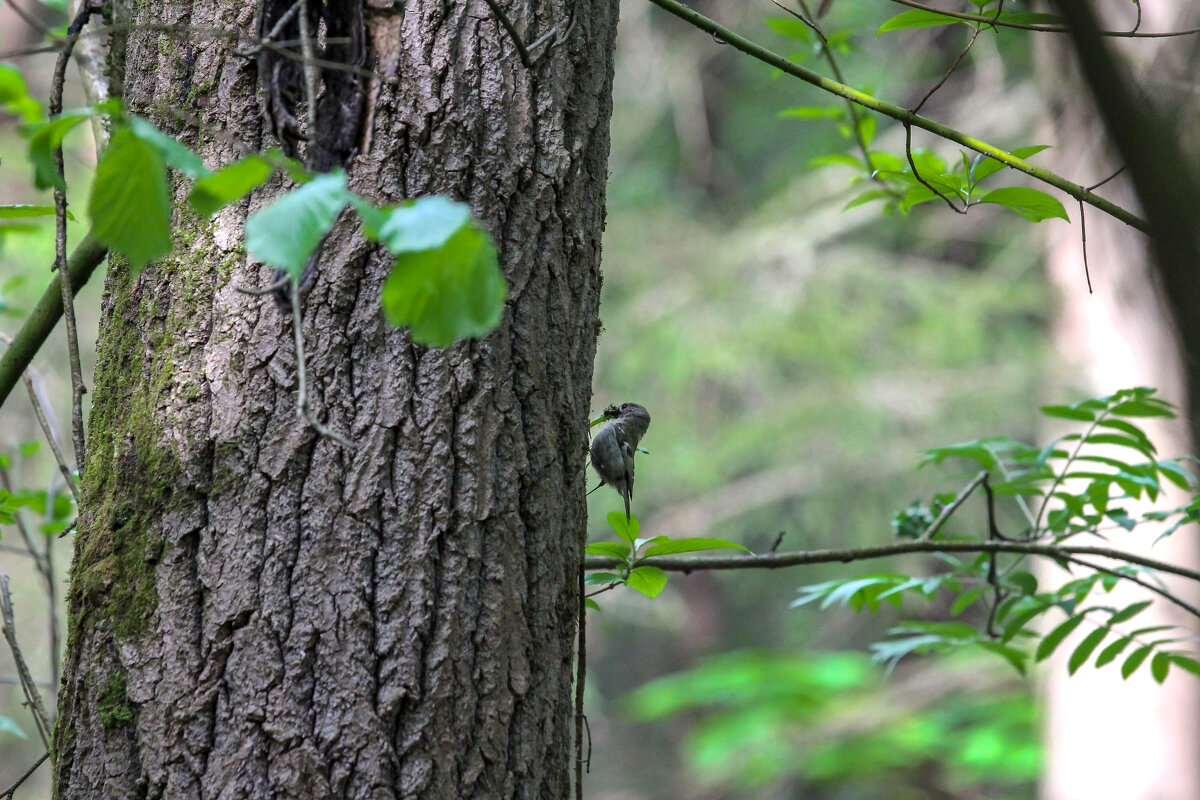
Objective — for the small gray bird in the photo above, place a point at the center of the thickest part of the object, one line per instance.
(614, 446)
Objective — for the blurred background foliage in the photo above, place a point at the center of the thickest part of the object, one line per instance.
(795, 358)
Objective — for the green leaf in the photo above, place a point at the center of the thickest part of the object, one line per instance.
(8, 726)
(1112, 651)
(610, 549)
(915, 18)
(988, 165)
(426, 223)
(1160, 665)
(1137, 408)
(1135, 660)
(44, 139)
(1069, 412)
(1054, 638)
(15, 98)
(866, 197)
(19, 211)
(650, 581)
(691, 546)
(789, 26)
(1185, 662)
(1019, 621)
(639, 543)
(592, 604)
(836, 159)
(130, 207)
(965, 601)
(601, 578)
(626, 529)
(453, 292)
(286, 233)
(228, 185)
(1031, 204)
(1176, 473)
(1025, 582)
(1129, 612)
(1085, 649)
(1011, 654)
(175, 153)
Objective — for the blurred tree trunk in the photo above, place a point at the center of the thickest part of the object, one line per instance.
(256, 612)
(1108, 738)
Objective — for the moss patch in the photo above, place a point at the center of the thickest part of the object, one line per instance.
(132, 472)
(112, 704)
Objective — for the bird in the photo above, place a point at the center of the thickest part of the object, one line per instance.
(614, 446)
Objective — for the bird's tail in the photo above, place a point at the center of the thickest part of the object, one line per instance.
(626, 496)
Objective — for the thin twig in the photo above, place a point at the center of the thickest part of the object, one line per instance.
(950, 508)
(1158, 590)
(1087, 273)
(52, 621)
(283, 20)
(526, 54)
(78, 390)
(311, 78)
(1043, 28)
(51, 435)
(6, 483)
(962, 54)
(302, 406)
(580, 674)
(1082, 212)
(917, 173)
(603, 589)
(902, 115)
(856, 129)
(253, 45)
(33, 697)
(29, 19)
(7, 794)
(512, 32)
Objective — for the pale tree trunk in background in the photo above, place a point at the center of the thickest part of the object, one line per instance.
(256, 612)
(1108, 738)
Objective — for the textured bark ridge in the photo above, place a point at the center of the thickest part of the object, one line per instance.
(258, 613)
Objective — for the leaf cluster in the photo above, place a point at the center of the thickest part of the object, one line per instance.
(631, 551)
(445, 283)
(1082, 482)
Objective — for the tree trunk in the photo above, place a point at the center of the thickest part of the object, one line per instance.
(257, 612)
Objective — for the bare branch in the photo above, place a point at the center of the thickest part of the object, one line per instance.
(7, 794)
(846, 555)
(1042, 28)
(33, 697)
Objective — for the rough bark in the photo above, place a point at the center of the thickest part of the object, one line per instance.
(256, 612)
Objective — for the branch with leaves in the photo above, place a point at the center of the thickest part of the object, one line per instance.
(1017, 199)
(1078, 490)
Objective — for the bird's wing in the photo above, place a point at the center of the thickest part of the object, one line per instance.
(627, 451)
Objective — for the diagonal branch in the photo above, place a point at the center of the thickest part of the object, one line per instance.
(45, 315)
(1132, 33)
(896, 112)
